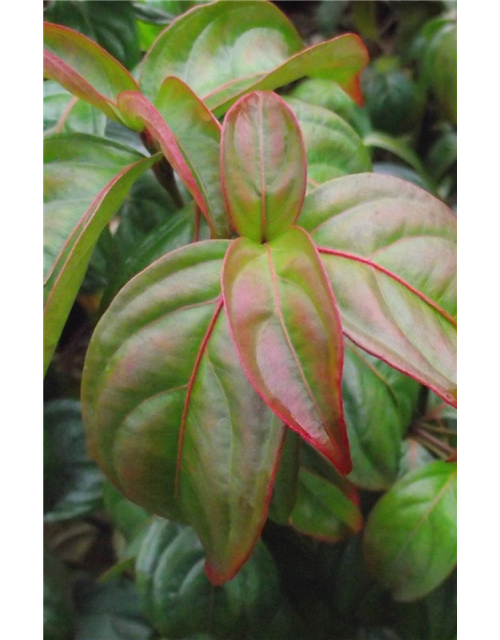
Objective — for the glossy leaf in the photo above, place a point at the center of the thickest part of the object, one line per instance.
(285, 325)
(263, 166)
(85, 182)
(377, 414)
(167, 405)
(397, 243)
(179, 600)
(323, 510)
(62, 112)
(333, 149)
(114, 30)
(218, 38)
(410, 539)
(194, 157)
(85, 69)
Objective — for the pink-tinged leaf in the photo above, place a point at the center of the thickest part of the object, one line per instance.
(84, 68)
(263, 164)
(170, 414)
(86, 180)
(135, 108)
(286, 328)
(389, 249)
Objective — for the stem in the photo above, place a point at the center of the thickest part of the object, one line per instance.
(197, 218)
(437, 446)
(162, 170)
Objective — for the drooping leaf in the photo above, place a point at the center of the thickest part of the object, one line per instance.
(263, 166)
(333, 149)
(170, 415)
(244, 47)
(285, 325)
(194, 157)
(410, 539)
(179, 600)
(72, 482)
(377, 414)
(62, 112)
(85, 182)
(115, 30)
(85, 69)
(389, 249)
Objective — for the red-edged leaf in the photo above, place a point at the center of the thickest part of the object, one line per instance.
(84, 68)
(389, 249)
(170, 414)
(285, 325)
(263, 164)
(136, 108)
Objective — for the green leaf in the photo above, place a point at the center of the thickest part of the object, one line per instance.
(263, 166)
(114, 30)
(72, 482)
(333, 149)
(58, 613)
(85, 182)
(64, 112)
(410, 539)
(323, 510)
(194, 157)
(179, 600)
(440, 66)
(241, 48)
(170, 415)
(110, 611)
(285, 325)
(286, 479)
(127, 517)
(84, 68)
(377, 414)
(413, 456)
(389, 249)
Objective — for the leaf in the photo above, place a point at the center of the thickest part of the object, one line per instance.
(179, 600)
(439, 65)
(72, 482)
(114, 30)
(397, 243)
(284, 322)
(286, 479)
(263, 166)
(377, 414)
(85, 182)
(170, 415)
(242, 48)
(63, 112)
(110, 611)
(410, 539)
(58, 613)
(127, 517)
(194, 157)
(333, 148)
(84, 68)
(323, 510)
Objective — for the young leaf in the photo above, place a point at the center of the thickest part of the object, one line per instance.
(85, 181)
(170, 415)
(410, 539)
(285, 325)
(242, 48)
(84, 68)
(263, 166)
(389, 249)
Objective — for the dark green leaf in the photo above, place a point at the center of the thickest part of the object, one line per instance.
(179, 600)
(58, 612)
(440, 66)
(286, 479)
(410, 539)
(128, 517)
(72, 482)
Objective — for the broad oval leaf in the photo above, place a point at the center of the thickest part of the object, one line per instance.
(333, 149)
(378, 406)
(179, 600)
(263, 166)
(245, 47)
(410, 539)
(285, 325)
(63, 112)
(85, 181)
(389, 249)
(170, 415)
(85, 69)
